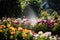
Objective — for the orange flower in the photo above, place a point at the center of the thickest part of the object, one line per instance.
(26, 31)
(20, 28)
(24, 35)
(12, 33)
(12, 28)
(1, 31)
(30, 31)
(3, 26)
(0, 27)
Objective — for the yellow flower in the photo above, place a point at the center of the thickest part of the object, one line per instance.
(9, 25)
(45, 13)
(24, 35)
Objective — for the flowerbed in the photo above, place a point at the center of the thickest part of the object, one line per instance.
(25, 29)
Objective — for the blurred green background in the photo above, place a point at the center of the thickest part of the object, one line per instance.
(18, 8)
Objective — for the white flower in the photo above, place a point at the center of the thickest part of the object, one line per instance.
(31, 33)
(15, 21)
(39, 20)
(18, 19)
(52, 38)
(42, 17)
(36, 35)
(43, 35)
(48, 33)
(33, 21)
(40, 32)
(49, 17)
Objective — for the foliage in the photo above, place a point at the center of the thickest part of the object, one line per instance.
(24, 3)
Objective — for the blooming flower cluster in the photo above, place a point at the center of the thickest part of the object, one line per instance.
(49, 23)
(18, 29)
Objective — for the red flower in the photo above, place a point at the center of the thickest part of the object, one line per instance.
(33, 33)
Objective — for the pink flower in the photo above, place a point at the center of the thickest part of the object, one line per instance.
(16, 22)
(27, 22)
(8, 19)
(4, 18)
(53, 21)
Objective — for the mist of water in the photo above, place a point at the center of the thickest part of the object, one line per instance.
(31, 14)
